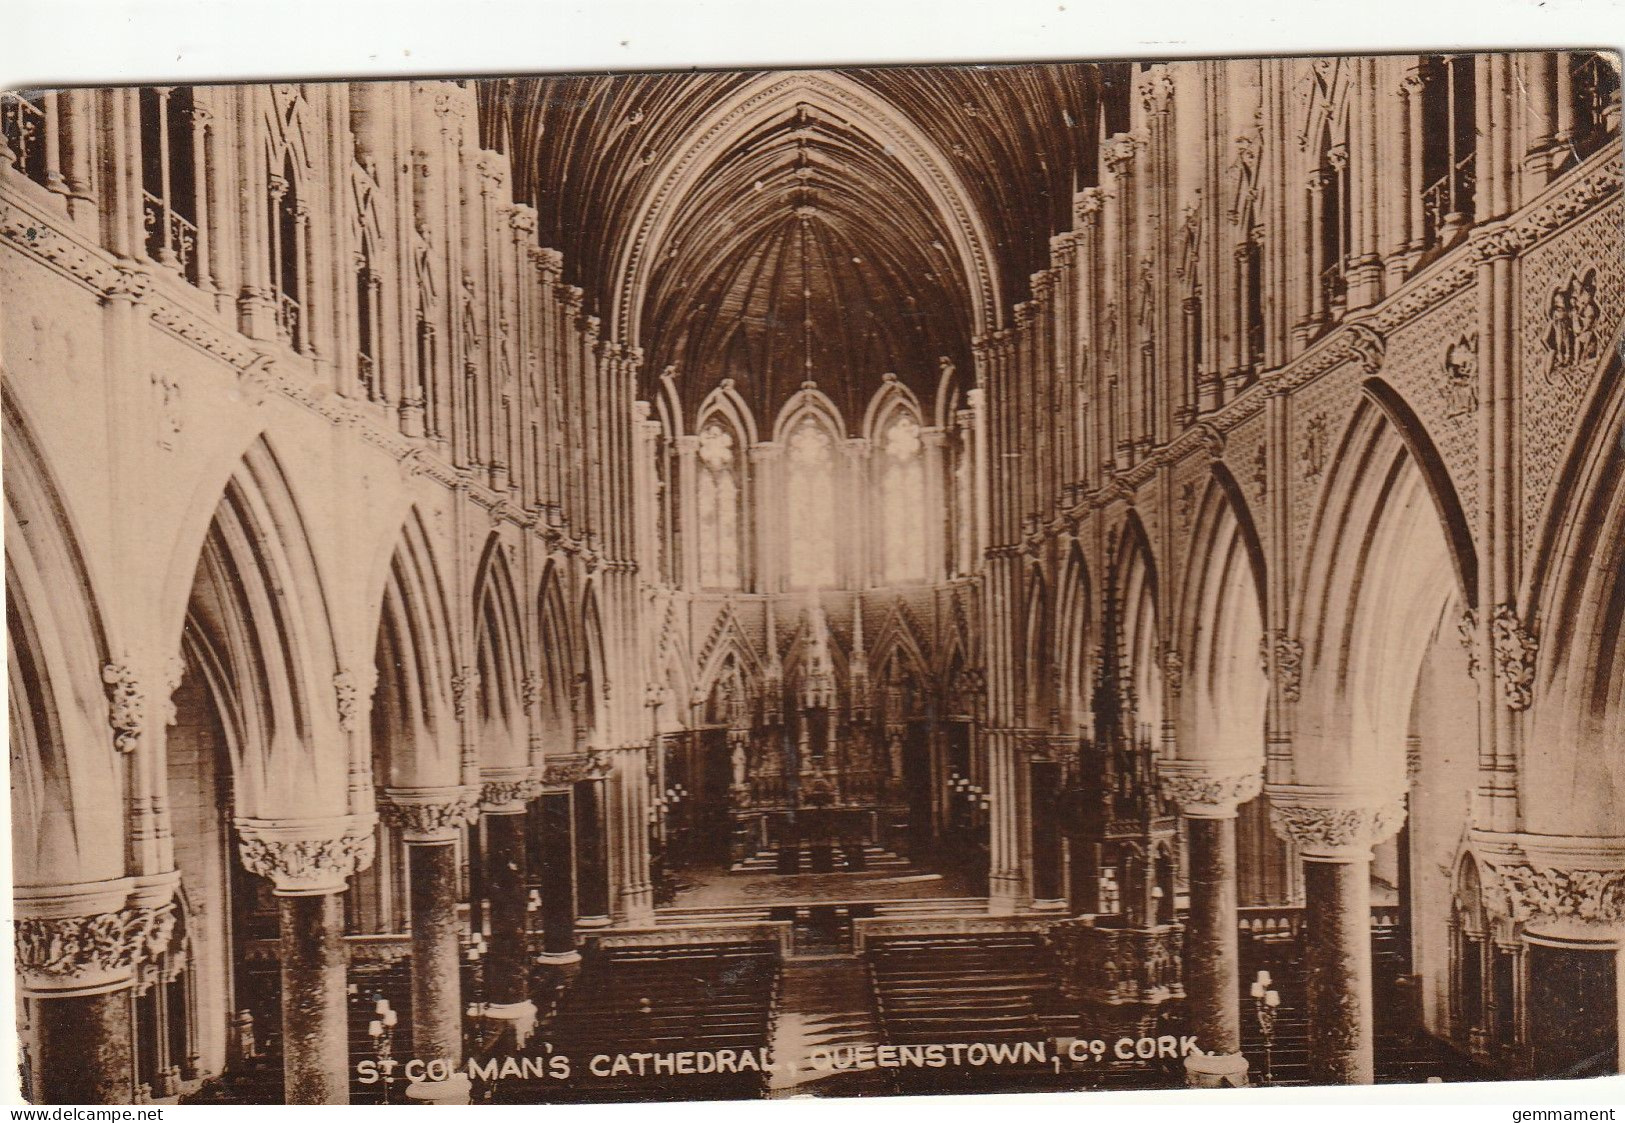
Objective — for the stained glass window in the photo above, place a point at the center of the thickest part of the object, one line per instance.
(902, 512)
(718, 510)
(811, 507)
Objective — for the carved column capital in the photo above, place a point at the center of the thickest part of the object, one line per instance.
(1334, 825)
(1566, 901)
(1564, 887)
(1211, 789)
(507, 791)
(429, 814)
(307, 857)
(90, 938)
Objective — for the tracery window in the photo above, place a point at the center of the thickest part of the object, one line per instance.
(811, 498)
(1329, 228)
(1592, 102)
(170, 178)
(902, 484)
(23, 129)
(288, 220)
(368, 322)
(718, 502)
(1449, 142)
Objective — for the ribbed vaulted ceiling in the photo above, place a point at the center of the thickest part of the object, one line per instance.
(807, 245)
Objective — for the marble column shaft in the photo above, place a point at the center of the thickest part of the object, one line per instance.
(84, 1049)
(315, 1031)
(593, 887)
(558, 879)
(1212, 945)
(508, 966)
(437, 1012)
(1334, 831)
(1337, 955)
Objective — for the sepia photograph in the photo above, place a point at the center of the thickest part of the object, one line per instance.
(739, 584)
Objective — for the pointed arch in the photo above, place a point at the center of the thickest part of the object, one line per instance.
(258, 605)
(64, 770)
(892, 396)
(415, 743)
(727, 638)
(1578, 589)
(727, 402)
(1220, 630)
(808, 403)
(898, 639)
(1074, 637)
(754, 105)
(1365, 623)
(1137, 589)
(903, 522)
(1452, 518)
(725, 431)
(1037, 669)
(557, 662)
(499, 646)
(592, 679)
(811, 432)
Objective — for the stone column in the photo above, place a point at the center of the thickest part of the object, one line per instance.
(307, 861)
(1208, 794)
(1334, 832)
(592, 881)
(507, 987)
(558, 881)
(430, 821)
(1567, 896)
(77, 951)
(631, 824)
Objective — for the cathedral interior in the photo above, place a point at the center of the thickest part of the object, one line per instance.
(812, 566)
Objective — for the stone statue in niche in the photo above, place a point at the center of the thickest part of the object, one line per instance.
(1314, 447)
(1460, 389)
(1572, 319)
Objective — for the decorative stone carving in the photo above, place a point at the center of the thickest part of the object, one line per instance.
(429, 814)
(1118, 151)
(593, 765)
(1333, 826)
(1368, 347)
(1289, 666)
(464, 683)
(1515, 651)
(1573, 336)
(1119, 967)
(1460, 388)
(345, 692)
(1467, 629)
(1187, 503)
(530, 688)
(57, 953)
(174, 671)
(126, 706)
(1210, 789)
(1173, 670)
(304, 857)
(1593, 897)
(1313, 453)
(509, 794)
(170, 419)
